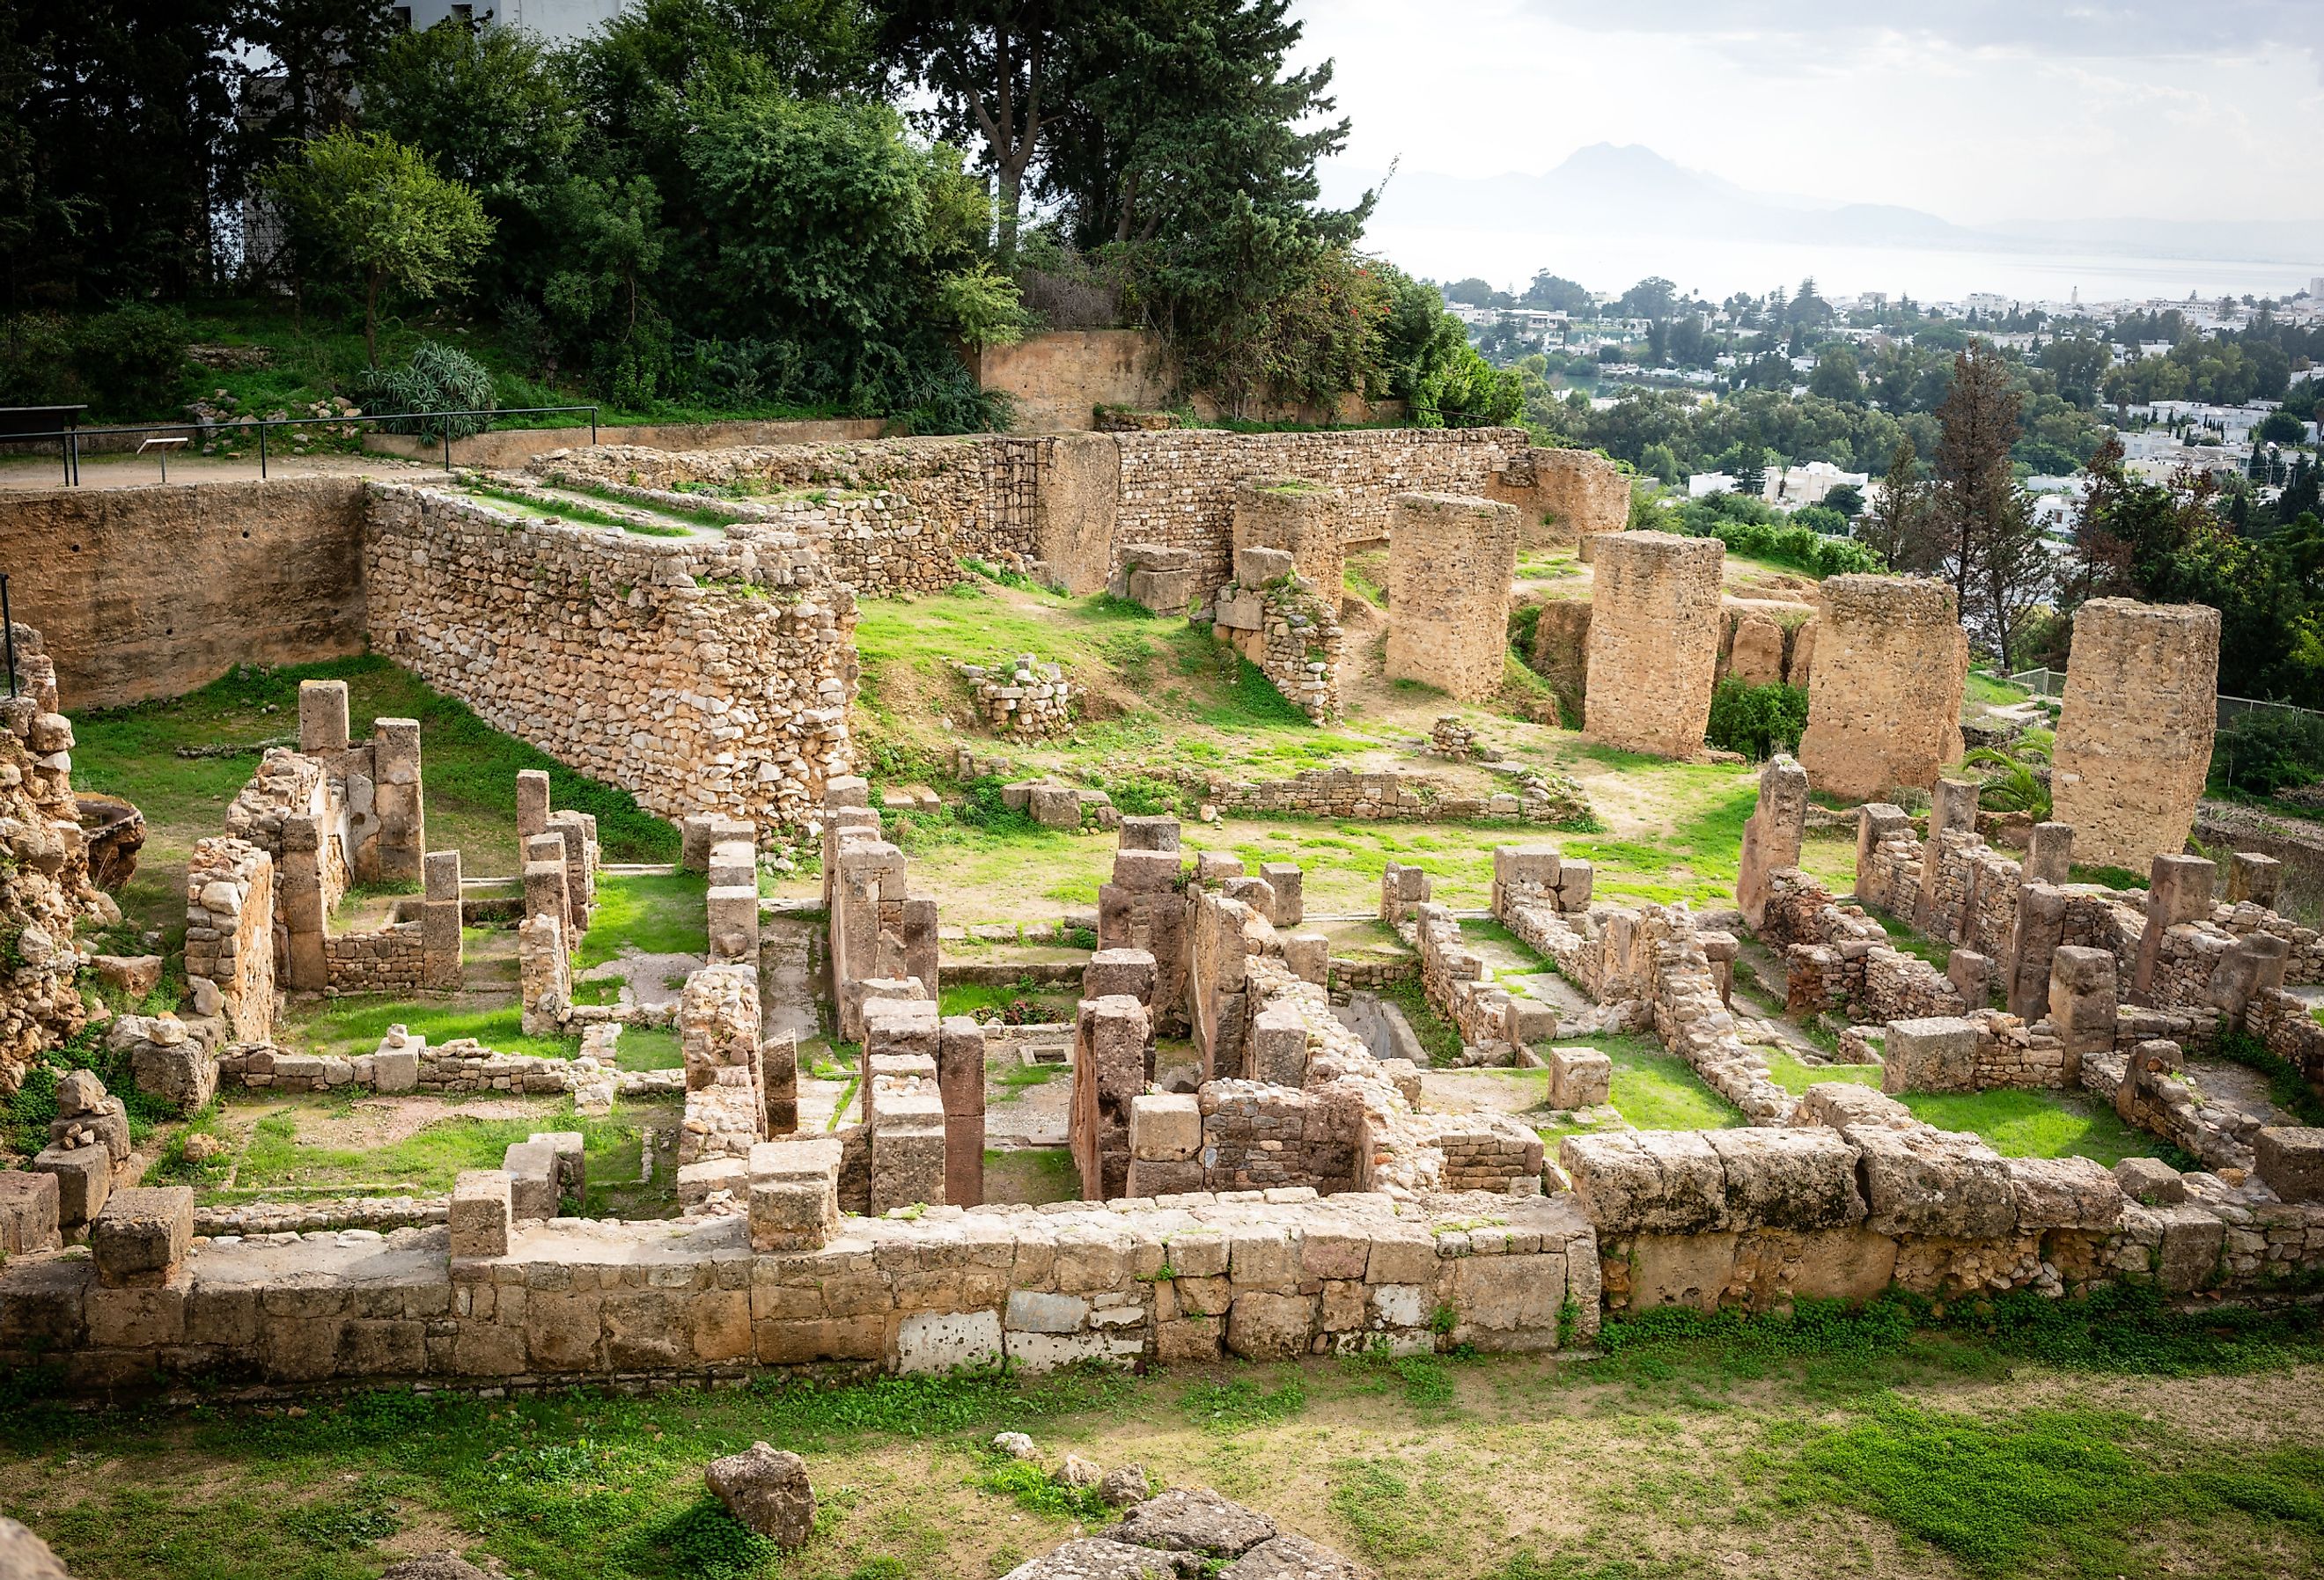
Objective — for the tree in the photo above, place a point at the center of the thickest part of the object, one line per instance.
(1898, 526)
(1835, 377)
(377, 206)
(1751, 473)
(303, 58)
(2280, 427)
(1470, 293)
(1651, 297)
(1992, 547)
(1846, 498)
(1556, 293)
(1002, 72)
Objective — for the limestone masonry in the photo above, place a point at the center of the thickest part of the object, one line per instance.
(1655, 628)
(2134, 735)
(1884, 695)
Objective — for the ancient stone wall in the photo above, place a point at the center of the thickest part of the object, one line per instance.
(1566, 495)
(154, 591)
(1289, 628)
(1293, 516)
(1767, 641)
(1177, 486)
(2135, 732)
(1654, 641)
(230, 934)
(697, 675)
(45, 892)
(1451, 559)
(1885, 695)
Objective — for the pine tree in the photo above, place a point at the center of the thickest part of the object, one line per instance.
(1751, 475)
(1993, 547)
(1898, 525)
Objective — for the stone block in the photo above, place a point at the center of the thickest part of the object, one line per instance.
(571, 1147)
(1933, 1182)
(1166, 1127)
(481, 1210)
(2050, 854)
(960, 1065)
(28, 1211)
(1647, 1181)
(2254, 877)
(794, 1194)
(2150, 1182)
(2064, 1193)
(1288, 883)
(1690, 1270)
(1150, 833)
(2193, 1241)
(2291, 1161)
(1212, 868)
(1938, 1054)
(531, 1169)
(1277, 1047)
(1119, 971)
(2134, 736)
(1789, 1179)
(184, 1074)
(939, 1342)
(84, 1178)
(1265, 1326)
(142, 1235)
(322, 717)
(1579, 1078)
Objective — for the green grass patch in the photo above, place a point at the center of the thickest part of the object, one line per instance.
(658, 913)
(1906, 941)
(700, 515)
(1991, 690)
(425, 1163)
(351, 1026)
(2018, 1122)
(1657, 1090)
(648, 1048)
(574, 510)
(1242, 1405)
(1795, 1077)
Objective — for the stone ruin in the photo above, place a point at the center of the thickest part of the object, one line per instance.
(46, 887)
(1451, 561)
(1885, 699)
(1654, 627)
(1572, 497)
(2134, 730)
(1022, 697)
(1281, 611)
(1767, 641)
(882, 935)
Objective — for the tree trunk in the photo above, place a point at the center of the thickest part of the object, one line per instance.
(1011, 193)
(370, 318)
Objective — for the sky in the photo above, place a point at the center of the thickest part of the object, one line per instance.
(1979, 111)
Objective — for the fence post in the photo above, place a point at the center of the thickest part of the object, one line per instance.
(448, 444)
(262, 449)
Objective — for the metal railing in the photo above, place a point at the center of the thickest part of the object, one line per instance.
(70, 438)
(2053, 683)
(2041, 682)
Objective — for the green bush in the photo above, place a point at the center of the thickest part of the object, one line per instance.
(438, 378)
(125, 364)
(1749, 526)
(2266, 751)
(1758, 721)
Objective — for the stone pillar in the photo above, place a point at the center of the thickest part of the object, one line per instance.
(1305, 519)
(2050, 854)
(733, 900)
(1771, 839)
(1119, 971)
(794, 1194)
(398, 799)
(440, 922)
(1655, 628)
(1885, 693)
(1450, 561)
(230, 934)
(298, 886)
(718, 1024)
(2178, 890)
(1875, 821)
(1110, 1039)
(779, 1066)
(2253, 967)
(1403, 891)
(579, 830)
(2081, 1005)
(546, 893)
(2035, 937)
(1289, 884)
(544, 973)
(322, 717)
(2253, 877)
(1952, 809)
(2134, 730)
(960, 1081)
(531, 804)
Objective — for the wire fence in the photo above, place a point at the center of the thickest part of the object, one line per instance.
(2052, 683)
(438, 425)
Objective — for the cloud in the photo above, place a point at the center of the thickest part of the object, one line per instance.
(2089, 28)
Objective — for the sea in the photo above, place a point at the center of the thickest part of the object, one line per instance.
(1715, 267)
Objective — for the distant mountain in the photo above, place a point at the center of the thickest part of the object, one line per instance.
(1630, 189)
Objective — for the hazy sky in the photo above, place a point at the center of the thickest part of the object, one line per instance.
(1977, 110)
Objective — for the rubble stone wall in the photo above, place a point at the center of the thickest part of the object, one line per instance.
(1451, 561)
(2134, 729)
(699, 675)
(1885, 693)
(1655, 625)
(45, 892)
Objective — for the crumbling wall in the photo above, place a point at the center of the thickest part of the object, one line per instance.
(1885, 695)
(230, 934)
(697, 675)
(1567, 495)
(1451, 559)
(1654, 641)
(2134, 730)
(45, 892)
(1283, 619)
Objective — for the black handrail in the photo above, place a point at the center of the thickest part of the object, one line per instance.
(71, 438)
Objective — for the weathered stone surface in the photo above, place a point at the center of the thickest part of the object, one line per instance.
(1451, 561)
(1093, 1558)
(1787, 1179)
(25, 1557)
(2064, 1193)
(1935, 1053)
(1655, 631)
(1124, 1485)
(1647, 1181)
(1194, 1519)
(2291, 1161)
(28, 1211)
(143, 1234)
(434, 1566)
(766, 1489)
(1883, 695)
(2134, 729)
(1291, 1557)
(1935, 1183)
(2150, 1182)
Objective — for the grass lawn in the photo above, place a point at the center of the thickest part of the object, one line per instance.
(2015, 1121)
(648, 1048)
(967, 999)
(351, 1026)
(664, 913)
(1895, 1444)
(1653, 1089)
